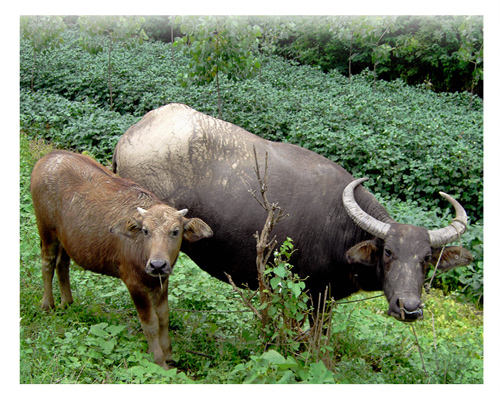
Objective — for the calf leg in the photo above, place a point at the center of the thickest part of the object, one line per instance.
(62, 269)
(49, 256)
(149, 323)
(162, 312)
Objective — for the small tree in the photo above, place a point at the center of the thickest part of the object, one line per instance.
(219, 45)
(364, 35)
(43, 33)
(113, 29)
(471, 49)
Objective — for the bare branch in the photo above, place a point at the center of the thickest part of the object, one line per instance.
(243, 298)
(265, 246)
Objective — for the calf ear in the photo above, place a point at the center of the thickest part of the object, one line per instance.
(128, 226)
(195, 229)
(364, 253)
(453, 256)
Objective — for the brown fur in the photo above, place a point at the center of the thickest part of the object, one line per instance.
(88, 214)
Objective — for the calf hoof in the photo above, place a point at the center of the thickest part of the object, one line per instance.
(165, 366)
(47, 307)
(65, 304)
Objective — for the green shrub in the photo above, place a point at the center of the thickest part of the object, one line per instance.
(411, 142)
(81, 126)
(272, 367)
(422, 49)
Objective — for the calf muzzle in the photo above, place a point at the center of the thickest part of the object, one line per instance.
(158, 267)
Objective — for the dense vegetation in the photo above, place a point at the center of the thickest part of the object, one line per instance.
(411, 141)
(444, 52)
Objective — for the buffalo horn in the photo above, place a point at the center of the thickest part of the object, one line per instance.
(452, 232)
(361, 218)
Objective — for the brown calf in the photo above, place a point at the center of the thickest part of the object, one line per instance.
(109, 225)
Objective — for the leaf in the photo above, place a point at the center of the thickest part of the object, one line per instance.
(98, 330)
(273, 357)
(280, 270)
(275, 282)
(115, 329)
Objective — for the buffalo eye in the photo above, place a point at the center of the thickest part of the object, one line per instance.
(145, 231)
(427, 258)
(388, 253)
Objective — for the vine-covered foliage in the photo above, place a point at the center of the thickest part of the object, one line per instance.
(410, 141)
(445, 52)
(438, 50)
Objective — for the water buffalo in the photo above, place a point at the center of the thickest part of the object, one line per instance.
(343, 236)
(111, 226)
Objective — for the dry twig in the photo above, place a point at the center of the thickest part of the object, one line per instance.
(244, 300)
(265, 246)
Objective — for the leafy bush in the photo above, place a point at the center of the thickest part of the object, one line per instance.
(439, 50)
(81, 126)
(411, 142)
(272, 367)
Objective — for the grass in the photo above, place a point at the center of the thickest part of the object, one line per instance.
(99, 339)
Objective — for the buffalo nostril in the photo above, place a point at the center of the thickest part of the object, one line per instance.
(408, 304)
(409, 309)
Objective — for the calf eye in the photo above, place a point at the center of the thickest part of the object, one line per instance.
(145, 231)
(388, 253)
(176, 232)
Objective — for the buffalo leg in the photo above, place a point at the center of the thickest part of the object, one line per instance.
(149, 323)
(62, 269)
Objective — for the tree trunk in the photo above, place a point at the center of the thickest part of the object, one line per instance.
(109, 73)
(218, 91)
(472, 87)
(172, 36)
(33, 70)
(350, 59)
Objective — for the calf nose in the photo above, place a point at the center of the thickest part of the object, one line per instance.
(158, 264)
(159, 267)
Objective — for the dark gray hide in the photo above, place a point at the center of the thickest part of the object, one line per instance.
(206, 165)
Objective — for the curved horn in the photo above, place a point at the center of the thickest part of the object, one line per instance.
(361, 218)
(452, 232)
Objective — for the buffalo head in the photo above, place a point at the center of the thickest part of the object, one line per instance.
(401, 253)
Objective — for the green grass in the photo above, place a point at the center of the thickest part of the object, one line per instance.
(98, 339)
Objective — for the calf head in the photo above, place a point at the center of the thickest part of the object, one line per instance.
(402, 253)
(160, 231)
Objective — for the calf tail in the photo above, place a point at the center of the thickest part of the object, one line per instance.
(113, 162)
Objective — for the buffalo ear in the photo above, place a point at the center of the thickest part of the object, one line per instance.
(453, 256)
(365, 253)
(195, 229)
(127, 226)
